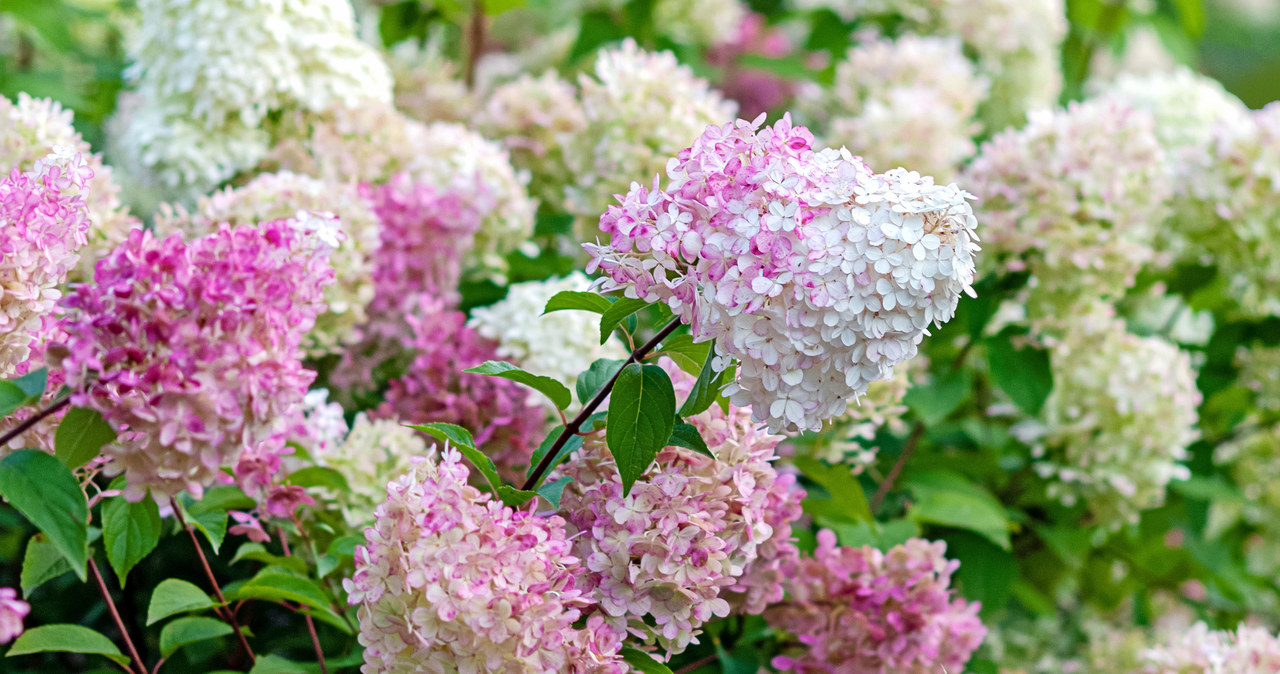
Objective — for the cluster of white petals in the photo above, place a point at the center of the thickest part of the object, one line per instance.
(373, 452)
(699, 22)
(909, 101)
(848, 440)
(1231, 211)
(641, 108)
(30, 129)
(1075, 197)
(276, 196)
(1199, 650)
(559, 345)
(818, 275)
(374, 142)
(1118, 422)
(536, 118)
(208, 73)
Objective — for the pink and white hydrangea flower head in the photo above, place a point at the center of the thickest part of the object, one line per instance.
(816, 274)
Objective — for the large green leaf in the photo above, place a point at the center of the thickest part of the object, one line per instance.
(1022, 373)
(62, 638)
(687, 436)
(617, 313)
(986, 572)
(643, 662)
(48, 495)
(599, 374)
(278, 585)
(185, 631)
(130, 531)
(25, 390)
(641, 418)
(552, 491)
(11, 398)
(80, 437)
(848, 502)
(705, 389)
(557, 392)
(567, 300)
(686, 353)
(41, 563)
(173, 596)
(969, 508)
(450, 433)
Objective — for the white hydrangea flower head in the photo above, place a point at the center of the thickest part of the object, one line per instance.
(30, 129)
(816, 274)
(848, 439)
(1231, 212)
(276, 196)
(1187, 107)
(1075, 197)
(699, 22)
(1199, 650)
(428, 85)
(536, 118)
(559, 345)
(219, 67)
(374, 142)
(1118, 422)
(373, 452)
(641, 108)
(909, 101)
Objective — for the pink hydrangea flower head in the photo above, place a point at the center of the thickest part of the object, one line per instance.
(192, 351)
(697, 533)
(450, 580)
(12, 612)
(435, 389)
(816, 274)
(863, 611)
(43, 223)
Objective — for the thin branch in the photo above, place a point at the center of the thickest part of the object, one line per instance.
(907, 451)
(588, 409)
(34, 419)
(115, 615)
(311, 625)
(476, 40)
(224, 611)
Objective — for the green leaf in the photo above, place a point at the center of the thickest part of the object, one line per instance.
(641, 417)
(173, 596)
(63, 638)
(80, 436)
(705, 390)
(514, 497)
(1191, 16)
(848, 501)
(617, 313)
(963, 511)
(130, 531)
(596, 376)
(185, 631)
(319, 476)
(597, 28)
(687, 436)
(557, 392)
(47, 18)
(643, 662)
(11, 398)
(686, 353)
(450, 433)
(41, 563)
(277, 585)
(552, 491)
(49, 496)
(568, 300)
(33, 383)
(257, 552)
(986, 572)
(274, 664)
(222, 499)
(1023, 374)
(932, 403)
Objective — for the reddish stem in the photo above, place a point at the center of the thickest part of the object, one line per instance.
(115, 615)
(224, 611)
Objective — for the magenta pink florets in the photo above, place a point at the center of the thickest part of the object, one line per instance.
(449, 580)
(43, 222)
(192, 351)
(435, 389)
(817, 275)
(863, 611)
(694, 534)
(12, 613)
